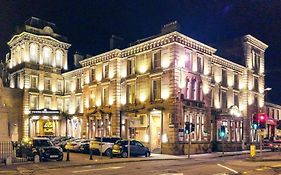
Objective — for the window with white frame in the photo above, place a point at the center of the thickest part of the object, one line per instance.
(47, 58)
(156, 60)
(33, 51)
(34, 102)
(223, 99)
(156, 89)
(34, 82)
(105, 96)
(187, 89)
(236, 99)
(188, 60)
(47, 102)
(47, 84)
(105, 70)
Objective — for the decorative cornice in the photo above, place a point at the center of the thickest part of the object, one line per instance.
(41, 38)
(100, 58)
(272, 105)
(226, 63)
(256, 42)
(174, 37)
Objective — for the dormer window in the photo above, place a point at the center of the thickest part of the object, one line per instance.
(59, 58)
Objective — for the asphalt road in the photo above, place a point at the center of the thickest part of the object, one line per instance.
(195, 166)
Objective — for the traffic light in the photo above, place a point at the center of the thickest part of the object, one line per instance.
(278, 124)
(255, 122)
(189, 127)
(262, 121)
(222, 131)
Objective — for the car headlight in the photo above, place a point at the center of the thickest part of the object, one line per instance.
(60, 149)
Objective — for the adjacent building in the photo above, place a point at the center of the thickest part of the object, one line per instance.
(147, 91)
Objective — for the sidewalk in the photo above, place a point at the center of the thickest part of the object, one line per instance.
(77, 159)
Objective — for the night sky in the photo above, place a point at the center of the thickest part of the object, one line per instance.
(88, 25)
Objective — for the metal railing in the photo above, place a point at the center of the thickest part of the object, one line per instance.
(8, 149)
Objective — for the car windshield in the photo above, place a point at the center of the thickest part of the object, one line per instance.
(42, 143)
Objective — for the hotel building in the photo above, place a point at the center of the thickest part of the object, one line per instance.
(147, 91)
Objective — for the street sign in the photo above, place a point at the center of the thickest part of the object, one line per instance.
(253, 151)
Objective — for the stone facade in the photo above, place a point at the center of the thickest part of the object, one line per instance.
(147, 91)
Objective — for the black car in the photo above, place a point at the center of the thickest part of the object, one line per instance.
(120, 148)
(40, 146)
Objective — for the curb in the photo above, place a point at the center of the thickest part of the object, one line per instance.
(262, 160)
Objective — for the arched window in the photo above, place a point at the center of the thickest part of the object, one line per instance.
(47, 59)
(33, 51)
(59, 58)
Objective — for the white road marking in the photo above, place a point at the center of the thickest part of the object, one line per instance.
(232, 170)
(172, 174)
(108, 168)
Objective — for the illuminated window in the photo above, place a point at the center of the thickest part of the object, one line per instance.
(34, 102)
(47, 59)
(47, 84)
(156, 89)
(105, 94)
(156, 60)
(93, 74)
(47, 102)
(130, 94)
(34, 82)
(59, 58)
(33, 51)
(130, 67)
(105, 70)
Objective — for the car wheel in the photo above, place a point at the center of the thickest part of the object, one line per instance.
(108, 152)
(60, 159)
(124, 154)
(147, 154)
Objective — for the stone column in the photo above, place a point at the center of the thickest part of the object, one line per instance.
(4, 133)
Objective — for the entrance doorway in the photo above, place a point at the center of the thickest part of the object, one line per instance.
(155, 133)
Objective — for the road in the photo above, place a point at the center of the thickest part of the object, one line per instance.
(195, 166)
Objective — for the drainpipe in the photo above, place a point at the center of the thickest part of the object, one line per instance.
(161, 147)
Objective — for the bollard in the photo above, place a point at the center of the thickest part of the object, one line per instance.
(67, 155)
(36, 158)
(8, 161)
(91, 154)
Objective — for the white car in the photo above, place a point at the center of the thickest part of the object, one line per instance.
(103, 144)
(75, 145)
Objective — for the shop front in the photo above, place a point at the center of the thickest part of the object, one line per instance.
(44, 122)
(229, 130)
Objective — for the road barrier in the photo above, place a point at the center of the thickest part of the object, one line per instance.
(8, 153)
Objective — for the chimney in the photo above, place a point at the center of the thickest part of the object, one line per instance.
(170, 27)
(115, 42)
(77, 57)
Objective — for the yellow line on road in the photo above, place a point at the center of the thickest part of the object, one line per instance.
(232, 170)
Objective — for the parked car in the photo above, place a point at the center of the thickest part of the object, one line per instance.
(85, 147)
(64, 142)
(103, 144)
(275, 145)
(120, 148)
(75, 145)
(40, 146)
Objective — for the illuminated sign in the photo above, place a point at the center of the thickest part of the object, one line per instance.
(45, 111)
